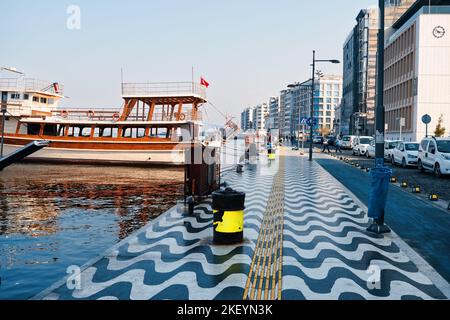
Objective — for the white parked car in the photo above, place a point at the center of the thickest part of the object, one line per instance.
(406, 154)
(434, 155)
(347, 142)
(389, 146)
(361, 144)
(370, 153)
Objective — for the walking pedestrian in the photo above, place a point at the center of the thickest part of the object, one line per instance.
(337, 145)
(326, 146)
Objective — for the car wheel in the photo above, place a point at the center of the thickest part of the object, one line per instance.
(403, 163)
(420, 166)
(437, 170)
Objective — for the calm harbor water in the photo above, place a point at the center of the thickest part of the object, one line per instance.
(54, 216)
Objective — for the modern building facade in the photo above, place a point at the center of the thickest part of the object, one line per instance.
(247, 119)
(273, 114)
(327, 98)
(359, 63)
(417, 71)
(259, 116)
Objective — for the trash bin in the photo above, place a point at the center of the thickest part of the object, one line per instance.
(228, 211)
(378, 195)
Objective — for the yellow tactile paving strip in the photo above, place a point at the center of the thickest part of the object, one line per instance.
(264, 280)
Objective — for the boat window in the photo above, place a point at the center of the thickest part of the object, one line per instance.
(50, 130)
(98, 132)
(35, 99)
(160, 133)
(43, 100)
(61, 130)
(126, 133)
(51, 101)
(74, 131)
(26, 96)
(115, 132)
(33, 128)
(86, 132)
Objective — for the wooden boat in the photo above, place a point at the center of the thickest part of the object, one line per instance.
(156, 123)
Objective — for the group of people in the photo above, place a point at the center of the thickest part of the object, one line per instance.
(332, 142)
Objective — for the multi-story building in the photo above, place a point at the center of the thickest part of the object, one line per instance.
(417, 70)
(247, 119)
(327, 97)
(259, 115)
(360, 58)
(273, 114)
(284, 120)
(348, 106)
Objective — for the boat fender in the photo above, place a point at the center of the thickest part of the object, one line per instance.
(182, 116)
(116, 117)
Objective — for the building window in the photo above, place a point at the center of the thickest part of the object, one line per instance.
(26, 96)
(15, 96)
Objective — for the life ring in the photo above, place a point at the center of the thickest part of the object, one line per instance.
(64, 114)
(182, 116)
(90, 114)
(116, 117)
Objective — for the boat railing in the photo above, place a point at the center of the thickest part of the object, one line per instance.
(30, 84)
(97, 114)
(163, 89)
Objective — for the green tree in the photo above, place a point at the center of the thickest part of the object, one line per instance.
(440, 130)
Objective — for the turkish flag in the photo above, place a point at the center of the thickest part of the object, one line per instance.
(203, 82)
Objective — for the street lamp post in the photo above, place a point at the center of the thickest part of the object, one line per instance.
(311, 131)
(380, 174)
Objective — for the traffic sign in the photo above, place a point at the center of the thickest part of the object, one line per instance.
(426, 119)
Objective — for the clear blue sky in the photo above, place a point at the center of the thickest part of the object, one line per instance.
(247, 49)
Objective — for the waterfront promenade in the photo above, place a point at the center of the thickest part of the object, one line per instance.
(305, 238)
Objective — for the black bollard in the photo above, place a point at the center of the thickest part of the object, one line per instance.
(228, 210)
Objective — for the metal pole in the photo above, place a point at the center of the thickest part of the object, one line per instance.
(378, 225)
(311, 114)
(379, 138)
(3, 130)
(299, 125)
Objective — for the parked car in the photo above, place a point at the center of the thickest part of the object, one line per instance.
(406, 154)
(347, 142)
(389, 146)
(434, 155)
(361, 144)
(370, 153)
(318, 139)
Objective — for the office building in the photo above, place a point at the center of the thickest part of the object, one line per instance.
(417, 70)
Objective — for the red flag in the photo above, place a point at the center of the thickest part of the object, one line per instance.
(203, 82)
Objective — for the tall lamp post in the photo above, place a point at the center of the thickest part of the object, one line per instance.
(380, 174)
(311, 131)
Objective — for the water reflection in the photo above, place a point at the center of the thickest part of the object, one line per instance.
(55, 216)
